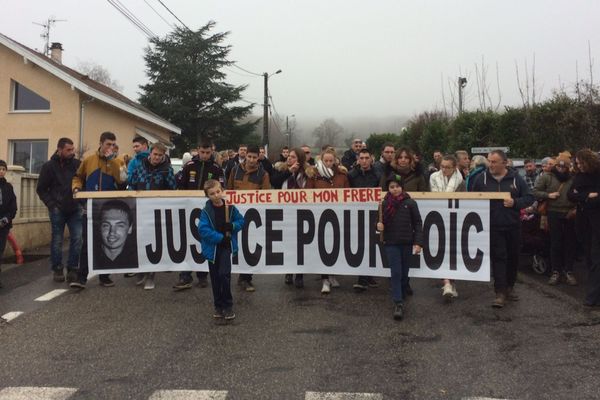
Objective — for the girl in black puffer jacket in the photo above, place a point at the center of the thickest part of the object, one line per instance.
(402, 236)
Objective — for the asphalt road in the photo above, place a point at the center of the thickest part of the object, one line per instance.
(127, 343)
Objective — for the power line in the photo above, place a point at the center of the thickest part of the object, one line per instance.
(237, 73)
(171, 12)
(159, 14)
(245, 70)
(132, 18)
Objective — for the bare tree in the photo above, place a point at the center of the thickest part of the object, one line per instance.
(329, 132)
(100, 74)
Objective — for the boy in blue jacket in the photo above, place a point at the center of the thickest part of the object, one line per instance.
(218, 227)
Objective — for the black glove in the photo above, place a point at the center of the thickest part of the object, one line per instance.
(226, 241)
(228, 227)
(3, 222)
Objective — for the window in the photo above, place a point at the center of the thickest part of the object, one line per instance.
(27, 100)
(29, 154)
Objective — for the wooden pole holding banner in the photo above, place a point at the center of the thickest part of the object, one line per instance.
(227, 233)
(381, 220)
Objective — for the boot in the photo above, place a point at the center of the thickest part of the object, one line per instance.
(500, 299)
(511, 295)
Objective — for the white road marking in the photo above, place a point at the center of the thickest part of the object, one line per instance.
(342, 396)
(11, 315)
(51, 294)
(188, 395)
(36, 393)
(482, 398)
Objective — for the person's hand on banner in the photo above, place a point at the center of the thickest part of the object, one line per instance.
(509, 203)
(380, 227)
(417, 249)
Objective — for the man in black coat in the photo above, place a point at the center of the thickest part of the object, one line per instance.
(351, 155)
(8, 208)
(54, 189)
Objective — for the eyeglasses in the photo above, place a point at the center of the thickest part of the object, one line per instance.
(307, 152)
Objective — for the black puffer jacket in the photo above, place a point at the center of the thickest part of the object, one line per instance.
(8, 202)
(583, 185)
(407, 226)
(360, 178)
(54, 184)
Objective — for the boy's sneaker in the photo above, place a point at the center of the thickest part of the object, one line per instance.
(107, 282)
(248, 287)
(149, 284)
(72, 275)
(229, 315)
(511, 295)
(299, 281)
(454, 292)
(372, 282)
(289, 279)
(359, 287)
(334, 282)
(447, 292)
(76, 284)
(554, 278)
(182, 285)
(326, 289)
(58, 275)
(218, 314)
(141, 279)
(130, 275)
(500, 300)
(398, 312)
(570, 278)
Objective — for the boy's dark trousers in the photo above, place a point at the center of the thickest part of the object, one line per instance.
(4, 231)
(220, 279)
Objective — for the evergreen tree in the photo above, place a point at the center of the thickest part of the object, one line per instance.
(186, 86)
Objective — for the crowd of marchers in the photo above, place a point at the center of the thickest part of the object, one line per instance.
(558, 204)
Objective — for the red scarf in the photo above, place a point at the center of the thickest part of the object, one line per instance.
(392, 203)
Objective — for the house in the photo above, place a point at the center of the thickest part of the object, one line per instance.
(42, 100)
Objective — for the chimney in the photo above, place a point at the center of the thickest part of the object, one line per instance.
(56, 52)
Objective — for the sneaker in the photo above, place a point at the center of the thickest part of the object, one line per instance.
(130, 275)
(182, 285)
(77, 285)
(218, 314)
(58, 275)
(334, 282)
(570, 278)
(359, 287)
(326, 289)
(229, 314)
(299, 281)
(149, 285)
(454, 292)
(511, 295)
(107, 282)
(141, 279)
(202, 282)
(372, 282)
(72, 275)
(398, 312)
(447, 291)
(289, 279)
(554, 278)
(500, 300)
(248, 287)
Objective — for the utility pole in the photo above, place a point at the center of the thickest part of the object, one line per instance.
(462, 82)
(46, 32)
(288, 131)
(265, 139)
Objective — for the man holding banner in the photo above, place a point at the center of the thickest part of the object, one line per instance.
(505, 235)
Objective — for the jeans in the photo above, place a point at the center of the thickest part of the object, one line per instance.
(562, 241)
(592, 258)
(83, 259)
(3, 236)
(186, 276)
(398, 256)
(505, 246)
(58, 220)
(220, 279)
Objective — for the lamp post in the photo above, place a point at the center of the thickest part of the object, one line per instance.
(462, 82)
(265, 139)
(288, 131)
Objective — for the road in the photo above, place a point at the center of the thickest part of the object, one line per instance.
(127, 343)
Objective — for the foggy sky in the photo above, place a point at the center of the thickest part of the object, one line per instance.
(340, 58)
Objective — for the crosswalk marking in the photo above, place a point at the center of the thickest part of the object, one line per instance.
(342, 396)
(36, 393)
(11, 315)
(51, 294)
(188, 395)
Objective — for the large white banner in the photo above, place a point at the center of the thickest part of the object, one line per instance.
(297, 232)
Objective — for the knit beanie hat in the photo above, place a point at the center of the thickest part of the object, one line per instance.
(563, 159)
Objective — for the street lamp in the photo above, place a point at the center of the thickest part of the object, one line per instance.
(265, 140)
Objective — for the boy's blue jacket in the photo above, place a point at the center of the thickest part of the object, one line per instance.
(210, 237)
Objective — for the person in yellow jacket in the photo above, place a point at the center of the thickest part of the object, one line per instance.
(98, 172)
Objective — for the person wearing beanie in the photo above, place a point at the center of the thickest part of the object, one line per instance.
(8, 208)
(402, 235)
(553, 187)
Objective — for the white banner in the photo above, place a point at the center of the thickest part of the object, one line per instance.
(329, 237)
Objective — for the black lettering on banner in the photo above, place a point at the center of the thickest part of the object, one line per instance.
(154, 256)
(375, 243)
(252, 258)
(194, 219)
(329, 217)
(471, 220)
(354, 259)
(453, 238)
(273, 235)
(304, 238)
(434, 218)
(176, 255)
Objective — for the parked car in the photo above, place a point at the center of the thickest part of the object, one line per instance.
(176, 164)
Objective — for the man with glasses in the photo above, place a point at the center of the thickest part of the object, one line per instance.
(351, 155)
(308, 153)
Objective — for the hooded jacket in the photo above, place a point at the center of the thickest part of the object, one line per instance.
(210, 237)
(505, 218)
(97, 174)
(135, 163)
(54, 184)
(242, 178)
(149, 177)
(8, 202)
(195, 173)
